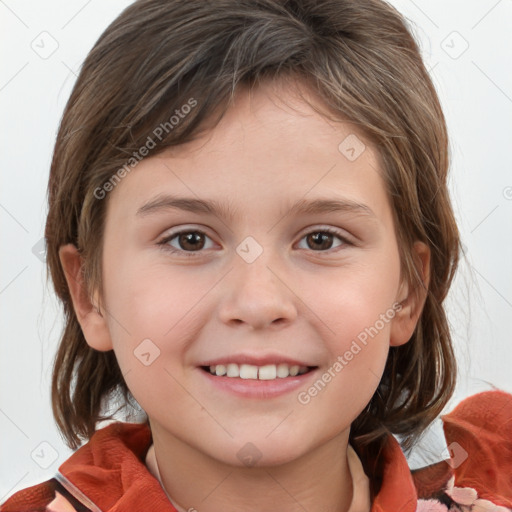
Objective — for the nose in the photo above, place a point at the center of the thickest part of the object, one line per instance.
(255, 294)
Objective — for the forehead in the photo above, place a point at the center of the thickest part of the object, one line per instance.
(271, 143)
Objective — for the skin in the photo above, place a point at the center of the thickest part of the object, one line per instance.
(296, 299)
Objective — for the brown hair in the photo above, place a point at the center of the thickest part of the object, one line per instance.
(359, 58)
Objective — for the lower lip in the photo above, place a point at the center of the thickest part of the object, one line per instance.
(255, 388)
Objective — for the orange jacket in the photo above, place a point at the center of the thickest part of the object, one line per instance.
(108, 473)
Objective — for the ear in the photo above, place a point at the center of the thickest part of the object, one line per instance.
(411, 299)
(90, 318)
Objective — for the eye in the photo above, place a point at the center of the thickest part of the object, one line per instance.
(186, 242)
(323, 239)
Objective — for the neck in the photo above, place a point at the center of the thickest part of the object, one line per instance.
(319, 480)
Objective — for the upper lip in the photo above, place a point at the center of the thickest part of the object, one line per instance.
(256, 360)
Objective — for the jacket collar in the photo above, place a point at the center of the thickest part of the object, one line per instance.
(110, 470)
(114, 458)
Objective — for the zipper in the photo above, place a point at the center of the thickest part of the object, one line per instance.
(77, 494)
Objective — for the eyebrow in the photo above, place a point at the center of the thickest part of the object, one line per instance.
(225, 210)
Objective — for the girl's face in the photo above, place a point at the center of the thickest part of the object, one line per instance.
(268, 242)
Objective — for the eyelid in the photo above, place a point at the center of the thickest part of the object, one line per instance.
(170, 232)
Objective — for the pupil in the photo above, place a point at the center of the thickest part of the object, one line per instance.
(321, 238)
(194, 239)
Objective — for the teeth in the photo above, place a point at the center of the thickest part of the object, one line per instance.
(294, 370)
(282, 370)
(249, 371)
(267, 372)
(220, 369)
(233, 370)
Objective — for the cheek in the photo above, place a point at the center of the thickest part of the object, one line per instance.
(354, 300)
(153, 316)
(356, 307)
(356, 320)
(151, 300)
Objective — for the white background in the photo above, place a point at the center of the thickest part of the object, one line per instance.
(475, 87)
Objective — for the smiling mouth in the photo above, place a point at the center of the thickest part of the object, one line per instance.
(253, 372)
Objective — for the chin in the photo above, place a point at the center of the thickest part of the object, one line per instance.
(258, 451)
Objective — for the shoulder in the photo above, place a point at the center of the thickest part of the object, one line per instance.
(477, 467)
(33, 498)
(479, 438)
(49, 496)
(112, 455)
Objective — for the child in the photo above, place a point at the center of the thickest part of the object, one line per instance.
(250, 231)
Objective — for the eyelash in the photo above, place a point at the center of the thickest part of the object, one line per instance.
(164, 243)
